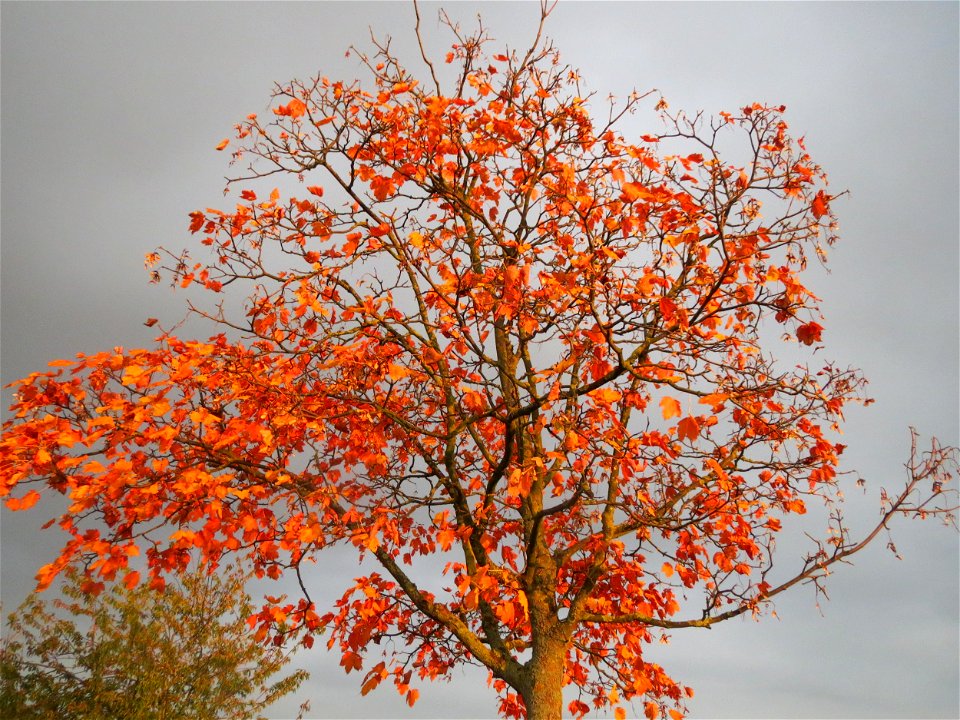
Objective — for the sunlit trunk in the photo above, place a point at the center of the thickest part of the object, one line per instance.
(543, 693)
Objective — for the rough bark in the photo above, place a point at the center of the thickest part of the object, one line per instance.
(543, 689)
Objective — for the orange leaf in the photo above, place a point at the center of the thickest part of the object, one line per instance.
(315, 190)
(374, 677)
(446, 537)
(608, 395)
(715, 400)
(223, 143)
(651, 711)
(620, 714)
(522, 598)
(24, 503)
(670, 407)
(353, 242)
(635, 191)
(667, 569)
(47, 573)
(398, 372)
(715, 466)
(295, 108)
(382, 187)
(573, 441)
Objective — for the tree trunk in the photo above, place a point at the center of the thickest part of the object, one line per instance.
(543, 691)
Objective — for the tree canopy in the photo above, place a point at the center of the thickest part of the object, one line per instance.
(185, 653)
(483, 331)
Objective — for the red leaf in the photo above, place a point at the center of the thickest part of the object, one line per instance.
(196, 221)
(820, 206)
(688, 428)
(353, 242)
(809, 333)
(351, 661)
(382, 187)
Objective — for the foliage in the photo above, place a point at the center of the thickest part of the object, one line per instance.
(140, 654)
(485, 328)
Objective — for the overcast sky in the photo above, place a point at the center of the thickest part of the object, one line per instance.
(110, 113)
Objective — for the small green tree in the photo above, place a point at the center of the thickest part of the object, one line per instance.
(140, 654)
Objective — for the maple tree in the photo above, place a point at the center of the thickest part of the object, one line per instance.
(133, 653)
(481, 327)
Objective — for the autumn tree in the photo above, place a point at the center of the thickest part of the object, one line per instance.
(486, 332)
(182, 654)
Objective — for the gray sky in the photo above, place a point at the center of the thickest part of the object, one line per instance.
(110, 113)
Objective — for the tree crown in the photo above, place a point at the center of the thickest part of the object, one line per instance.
(485, 333)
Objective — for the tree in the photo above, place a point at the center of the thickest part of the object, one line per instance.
(489, 330)
(140, 654)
